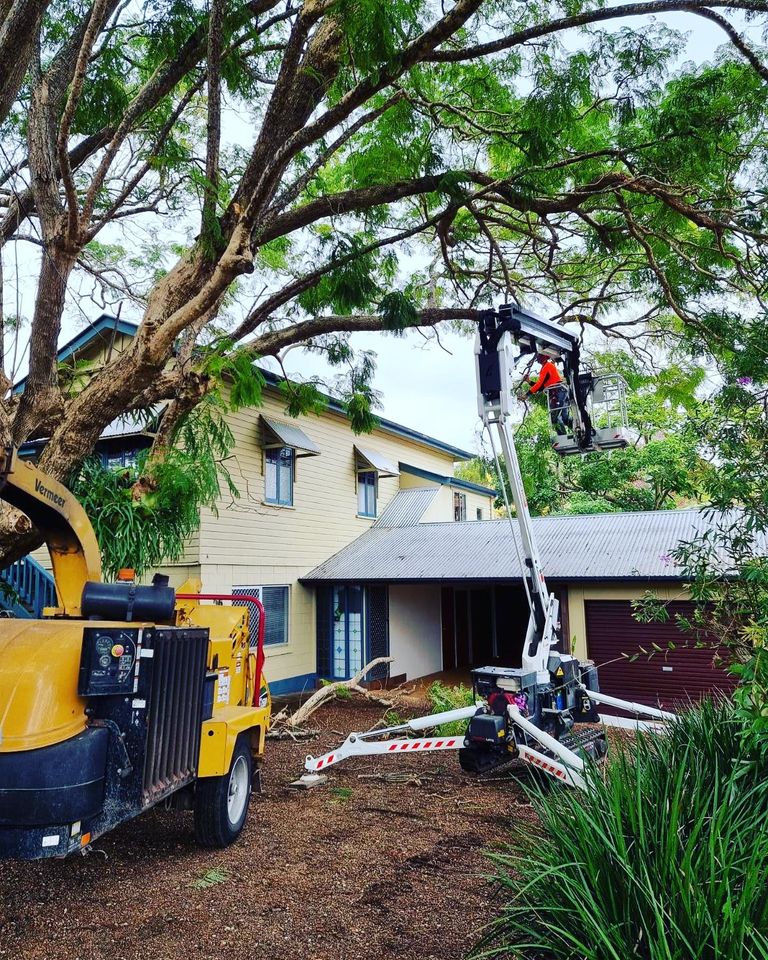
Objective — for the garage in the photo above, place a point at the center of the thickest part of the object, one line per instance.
(679, 673)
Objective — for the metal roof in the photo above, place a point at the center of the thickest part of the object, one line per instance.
(377, 461)
(610, 546)
(443, 480)
(291, 436)
(407, 507)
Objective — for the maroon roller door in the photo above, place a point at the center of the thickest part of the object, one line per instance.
(666, 679)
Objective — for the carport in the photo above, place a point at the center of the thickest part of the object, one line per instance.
(445, 596)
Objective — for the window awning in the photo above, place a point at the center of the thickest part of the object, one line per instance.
(283, 434)
(377, 461)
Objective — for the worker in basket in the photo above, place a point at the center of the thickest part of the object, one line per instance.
(551, 380)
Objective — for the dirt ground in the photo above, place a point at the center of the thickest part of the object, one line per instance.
(356, 868)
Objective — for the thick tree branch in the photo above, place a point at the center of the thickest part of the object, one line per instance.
(213, 62)
(19, 25)
(95, 21)
(270, 343)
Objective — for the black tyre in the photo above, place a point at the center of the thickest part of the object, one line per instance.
(221, 803)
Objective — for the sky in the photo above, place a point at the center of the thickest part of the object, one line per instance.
(423, 386)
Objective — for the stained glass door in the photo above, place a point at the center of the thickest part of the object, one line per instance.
(348, 632)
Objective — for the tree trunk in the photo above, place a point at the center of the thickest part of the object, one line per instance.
(42, 400)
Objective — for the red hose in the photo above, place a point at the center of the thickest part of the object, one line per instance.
(243, 598)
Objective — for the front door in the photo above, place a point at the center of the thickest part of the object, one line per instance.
(348, 640)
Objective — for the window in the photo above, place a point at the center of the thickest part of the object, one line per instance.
(275, 601)
(366, 493)
(459, 506)
(279, 475)
(118, 460)
(479, 513)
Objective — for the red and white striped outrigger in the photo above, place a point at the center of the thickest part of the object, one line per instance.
(555, 759)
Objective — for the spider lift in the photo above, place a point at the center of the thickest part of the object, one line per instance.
(544, 712)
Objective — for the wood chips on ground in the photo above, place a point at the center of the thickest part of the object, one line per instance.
(359, 868)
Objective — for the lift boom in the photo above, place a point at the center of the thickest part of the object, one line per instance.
(530, 712)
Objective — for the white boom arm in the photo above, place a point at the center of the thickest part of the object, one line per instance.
(496, 412)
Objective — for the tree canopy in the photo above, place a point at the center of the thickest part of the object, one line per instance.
(251, 175)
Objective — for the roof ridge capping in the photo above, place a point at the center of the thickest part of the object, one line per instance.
(582, 516)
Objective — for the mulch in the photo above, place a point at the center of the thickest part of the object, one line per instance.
(358, 868)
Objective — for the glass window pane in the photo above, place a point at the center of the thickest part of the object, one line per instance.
(339, 639)
(366, 493)
(275, 600)
(271, 476)
(285, 476)
(355, 619)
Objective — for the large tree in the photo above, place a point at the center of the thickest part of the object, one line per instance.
(408, 162)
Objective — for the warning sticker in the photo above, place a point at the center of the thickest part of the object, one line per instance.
(223, 694)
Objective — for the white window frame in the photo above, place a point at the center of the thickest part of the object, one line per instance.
(460, 500)
(278, 502)
(375, 473)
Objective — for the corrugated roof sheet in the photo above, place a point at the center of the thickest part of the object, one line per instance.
(291, 436)
(378, 461)
(407, 507)
(610, 546)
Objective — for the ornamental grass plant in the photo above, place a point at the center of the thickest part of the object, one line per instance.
(665, 857)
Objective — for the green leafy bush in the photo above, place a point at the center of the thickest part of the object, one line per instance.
(664, 858)
(443, 698)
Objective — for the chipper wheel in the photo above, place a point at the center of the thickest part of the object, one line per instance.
(221, 803)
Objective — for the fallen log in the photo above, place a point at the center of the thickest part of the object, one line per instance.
(328, 692)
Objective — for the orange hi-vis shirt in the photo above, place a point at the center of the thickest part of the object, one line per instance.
(549, 376)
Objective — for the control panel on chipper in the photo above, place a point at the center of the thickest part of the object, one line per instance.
(107, 661)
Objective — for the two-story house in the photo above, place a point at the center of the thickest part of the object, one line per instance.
(308, 487)
(364, 546)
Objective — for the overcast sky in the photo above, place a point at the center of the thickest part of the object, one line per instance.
(422, 386)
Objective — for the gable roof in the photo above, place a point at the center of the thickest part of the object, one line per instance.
(609, 546)
(105, 327)
(449, 481)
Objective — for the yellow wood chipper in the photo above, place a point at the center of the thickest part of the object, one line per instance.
(122, 697)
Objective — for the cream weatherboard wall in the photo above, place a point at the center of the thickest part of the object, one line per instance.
(248, 542)
(442, 507)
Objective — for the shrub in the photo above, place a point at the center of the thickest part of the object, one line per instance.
(664, 858)
(443, 698)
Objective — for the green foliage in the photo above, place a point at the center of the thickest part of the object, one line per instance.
(346, 287)
(398, 312)
(341, 693)
(727, 566)
(143, 516)
(211, 878)
(442, 698)
(341, 794)
(302, 397)
(665, 855)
